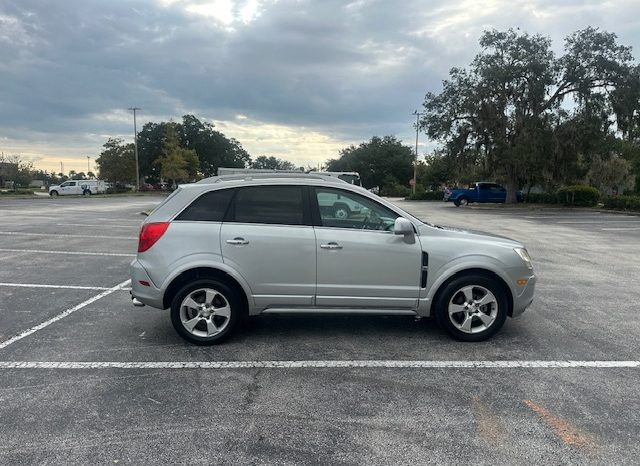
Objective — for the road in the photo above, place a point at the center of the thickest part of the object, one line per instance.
(87, 378)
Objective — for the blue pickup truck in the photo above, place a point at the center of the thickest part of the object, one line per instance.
(478, 192)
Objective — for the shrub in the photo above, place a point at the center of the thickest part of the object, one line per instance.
(18, 191)
(541, 198)
(622, 202)
(578, 195)
(427, 196)
(395, 190)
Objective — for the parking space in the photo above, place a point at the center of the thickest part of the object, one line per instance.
(92, 379)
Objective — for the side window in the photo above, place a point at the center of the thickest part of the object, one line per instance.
(66, 183)
(485, 187)
(210, 207)
(343, 209)
(269, 204)
(72, 183)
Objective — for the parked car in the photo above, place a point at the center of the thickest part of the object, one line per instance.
(478, 192)
(214, 252)
(78, 187)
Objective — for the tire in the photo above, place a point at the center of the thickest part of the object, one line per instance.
(341, 212)
(461, 201)
(210, 324)
(467, 319)
(53, 194)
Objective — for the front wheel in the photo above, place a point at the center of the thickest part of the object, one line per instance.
(461, 201)
(53, 194)
(472, 307)
(205, 311)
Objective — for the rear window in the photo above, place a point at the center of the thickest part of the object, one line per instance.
(270, 204)
(210, 207)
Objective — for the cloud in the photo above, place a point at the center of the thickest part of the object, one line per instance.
(340, 71)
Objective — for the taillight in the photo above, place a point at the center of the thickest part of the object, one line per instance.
(150, 233)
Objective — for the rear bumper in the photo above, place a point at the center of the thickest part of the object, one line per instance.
(149, 295)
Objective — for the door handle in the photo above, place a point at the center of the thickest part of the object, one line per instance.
(331, 245)
(237, 241)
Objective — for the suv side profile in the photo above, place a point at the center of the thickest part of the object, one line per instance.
(228, 247)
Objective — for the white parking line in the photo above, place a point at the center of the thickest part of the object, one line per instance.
(100, 225)
(63, 314)
(393, 364)
(55, 235)
(620, 229)
(599, 221)
(73, 253)
(62, 287)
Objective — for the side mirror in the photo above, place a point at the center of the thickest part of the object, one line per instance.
(402, 226)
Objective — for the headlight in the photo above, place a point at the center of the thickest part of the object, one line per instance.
(524, 255)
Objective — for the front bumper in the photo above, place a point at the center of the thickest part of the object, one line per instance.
(523, 296)
(149, 295)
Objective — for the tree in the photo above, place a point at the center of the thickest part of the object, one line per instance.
(612, 174)
(177, 163)
(16, 169)
(500, 111)
(376, 159)
(212, 147)
(117, 162)
(272, 163)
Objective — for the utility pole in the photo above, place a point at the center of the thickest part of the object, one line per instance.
(135, 145)
(415, 162)
(61, 168)
(88, 169)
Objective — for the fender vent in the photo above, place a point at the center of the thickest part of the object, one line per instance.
(425, 268)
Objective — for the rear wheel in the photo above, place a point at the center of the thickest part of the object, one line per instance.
(205, 311)
(472, 307)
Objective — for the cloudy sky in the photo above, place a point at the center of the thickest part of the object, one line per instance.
(292, 78)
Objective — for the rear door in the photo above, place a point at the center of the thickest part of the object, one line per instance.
(267, 237)
(497, 193)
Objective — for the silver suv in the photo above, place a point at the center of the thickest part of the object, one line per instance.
(234, 246)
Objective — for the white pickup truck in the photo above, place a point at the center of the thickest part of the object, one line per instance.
(78, 187)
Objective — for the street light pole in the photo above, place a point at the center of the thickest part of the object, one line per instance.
(415, 162)
(135, 145)
(88, 169)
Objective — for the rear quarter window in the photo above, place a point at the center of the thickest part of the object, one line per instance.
(210, 207)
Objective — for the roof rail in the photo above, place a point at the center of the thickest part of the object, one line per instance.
(261, 176)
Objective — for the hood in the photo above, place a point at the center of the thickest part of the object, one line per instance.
(472, 235)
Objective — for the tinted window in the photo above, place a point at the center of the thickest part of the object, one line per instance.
(210, 207)
(269, 204)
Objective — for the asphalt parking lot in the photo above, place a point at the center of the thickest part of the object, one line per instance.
(87, 378)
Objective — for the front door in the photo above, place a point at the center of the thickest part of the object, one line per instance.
(268, 239)
(361, 263)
